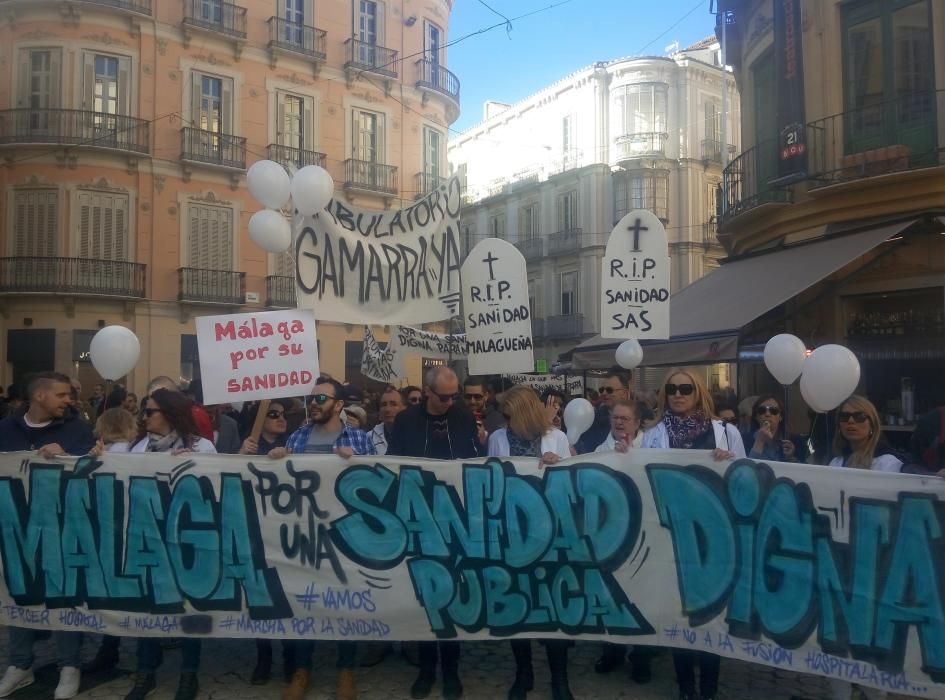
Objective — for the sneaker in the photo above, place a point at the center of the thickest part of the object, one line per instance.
(69, 679)
(298, 686)
(143, 687)
(14, 679)
(187, 687)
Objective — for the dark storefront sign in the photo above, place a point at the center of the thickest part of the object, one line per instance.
(789, 83)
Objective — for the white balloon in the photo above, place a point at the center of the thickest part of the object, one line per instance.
(114, 351)
(578, 417)
(629, 354)
(268, 183)
(270, 231)
(312, 189)
(784, 357)
(830, 376)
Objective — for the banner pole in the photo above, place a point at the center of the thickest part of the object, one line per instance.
(260, 419)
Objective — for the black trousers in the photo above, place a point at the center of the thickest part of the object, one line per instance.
(685, 662)
(447, 652)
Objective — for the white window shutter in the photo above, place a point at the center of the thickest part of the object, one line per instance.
(23, 78)
(85, 224)
(124, 86)
(88, 80)
(55, 78)
(226, 105)
(381, 31)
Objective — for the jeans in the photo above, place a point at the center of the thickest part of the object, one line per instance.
(448, 655)
(68, 646)
(150, 654)
(685, 663)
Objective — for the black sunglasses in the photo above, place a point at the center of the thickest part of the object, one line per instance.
(477, 397)
(151, 411)
(770, 410)
(322, 398)
(447, 398)
(682, 389)
(275, 414)
(606, 390)
(857, 416)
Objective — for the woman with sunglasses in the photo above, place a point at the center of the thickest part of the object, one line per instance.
(767, 437)
(688, 423)
(531, 434)
(170, 427)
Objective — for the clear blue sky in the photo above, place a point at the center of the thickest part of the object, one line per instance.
(547, 46)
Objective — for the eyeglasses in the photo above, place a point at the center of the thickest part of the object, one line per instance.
(414, 399)
(606, 390)
(148, 412)
(857, 416)
(322, 398)
(682, 389)
(446, 398)
(275, 414)
(770, 410)
(473, 397)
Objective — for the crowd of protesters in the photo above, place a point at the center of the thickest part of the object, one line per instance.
(445, 419)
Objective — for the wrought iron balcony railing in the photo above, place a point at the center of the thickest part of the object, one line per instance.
(564, 326)
(531, 248)
(360, 55)
(712, 151)
(298, 38)
(640, 145)
(213, 148)
(216, 16)
(280, 292)
(369, 176)
(76, 276)
(563, 242)
(74, 127)
(746, 181)
(211, 286)
(299, 157)
(427, 182)
(433, 76)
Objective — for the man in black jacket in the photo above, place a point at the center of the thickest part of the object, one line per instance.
(51, 427)
(438, 428)
(617, 386)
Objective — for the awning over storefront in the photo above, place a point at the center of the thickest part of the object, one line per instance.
(707, 316)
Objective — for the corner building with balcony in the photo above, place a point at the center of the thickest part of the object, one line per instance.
(850, 249)
(555, 172)
(127, 126)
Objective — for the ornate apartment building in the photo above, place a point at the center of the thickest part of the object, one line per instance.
(126, 128)
(554, 173)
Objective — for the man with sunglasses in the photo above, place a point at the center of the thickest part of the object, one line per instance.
(481, 401)
(325, 433)
(438, 428)
(616, 387)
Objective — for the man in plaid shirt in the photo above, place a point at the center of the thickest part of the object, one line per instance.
(325, 433)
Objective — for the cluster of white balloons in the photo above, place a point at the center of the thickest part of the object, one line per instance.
(308, 191)
(114, 352)
(828, 376)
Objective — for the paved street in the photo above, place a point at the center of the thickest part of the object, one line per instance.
(486, 670)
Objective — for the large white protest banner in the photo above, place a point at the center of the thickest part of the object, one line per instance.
(382, 267)
(264, 355)
(634, 300)
(377, 361)
(568, 384)
(406, 341)
(495, 308)
(831, 571)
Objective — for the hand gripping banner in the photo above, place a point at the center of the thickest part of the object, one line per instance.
(811, 569)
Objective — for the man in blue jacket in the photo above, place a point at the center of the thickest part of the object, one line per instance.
(50, 426)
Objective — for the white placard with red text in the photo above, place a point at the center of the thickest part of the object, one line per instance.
(264, 355)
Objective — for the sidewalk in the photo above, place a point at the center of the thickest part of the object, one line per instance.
(486, 668)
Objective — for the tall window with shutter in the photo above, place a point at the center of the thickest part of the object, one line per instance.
(39, 79)
(567, 283)
(106, 94)
(567, 211)
(102, 225)
(432, 156)
(35, 223)
(210, 237)
(295, 125)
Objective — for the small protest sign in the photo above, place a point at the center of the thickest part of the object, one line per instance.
(263, 355)
(380, 267)
(377, 361)
(635, 279)
(405, 341)
(495, 303)
(569, 385)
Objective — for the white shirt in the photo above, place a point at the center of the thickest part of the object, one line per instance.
(882, 463)
(379, 439)
(552, 441)
(202, 445)
(120, 446)
(727, 437)
(610, 444)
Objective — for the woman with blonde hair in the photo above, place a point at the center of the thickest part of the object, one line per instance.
(688, 422)
(529, 433)
(116, 429)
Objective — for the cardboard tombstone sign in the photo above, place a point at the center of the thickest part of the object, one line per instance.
(495, 304)
(635, 280)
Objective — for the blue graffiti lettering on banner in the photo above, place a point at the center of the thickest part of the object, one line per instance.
(756, 547)
(516, 553)
(61, 547)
